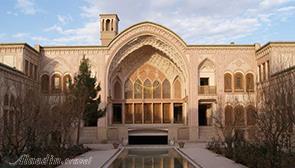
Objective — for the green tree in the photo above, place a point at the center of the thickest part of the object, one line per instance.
(85, 89)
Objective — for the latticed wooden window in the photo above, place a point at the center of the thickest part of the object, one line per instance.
(166, 113)
(239, 82)
(177, 89)
(156, 90)
(138, 113)
(228, 115)
(250, 82)
(117, 90)
(147, 89)
(45, 83)
(251, 115)
(148, 113)
(128, 89)
(138, 89)
(239, 117)
(157, 117)
(166, 89)
(227, 82)
(128, 114)
(56, 83)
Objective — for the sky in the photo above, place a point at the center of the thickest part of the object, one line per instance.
(76, 22)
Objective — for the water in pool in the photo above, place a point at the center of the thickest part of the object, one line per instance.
(150, 158)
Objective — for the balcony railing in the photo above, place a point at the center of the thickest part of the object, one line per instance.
(207, 90)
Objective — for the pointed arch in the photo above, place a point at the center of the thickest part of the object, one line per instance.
(147, 90)
(128, 89)
(137, 89)
(157, 90)
(177, 90)
(166, 89)
(117, 90)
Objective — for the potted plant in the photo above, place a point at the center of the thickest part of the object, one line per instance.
(181, 144)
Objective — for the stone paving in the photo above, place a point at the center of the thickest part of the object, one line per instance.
(208, 159)
(100, 154)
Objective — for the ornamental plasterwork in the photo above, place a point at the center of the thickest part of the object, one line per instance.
(74, 51)
(139, 42)
(151, 56)
(151, 29)
(238, 64)
(11, 49)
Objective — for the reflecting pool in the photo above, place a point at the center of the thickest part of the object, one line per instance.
(150, 158)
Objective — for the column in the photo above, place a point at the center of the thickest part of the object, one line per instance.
(266, 70)
(258, 73)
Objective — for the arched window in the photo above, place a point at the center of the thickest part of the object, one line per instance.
(6, 100)
(45, 83)
(166, 89)
(56, 83)
(250, 82)
(108, 25)
(239, 82)
(156, 90)
(177, 89)
(228, 115)
(128, 89)
(138, 89)
(11, 115)
(239, 117)
(147, 89)
(251, 115)
(117, 90)
(227, 82)
(67, 81)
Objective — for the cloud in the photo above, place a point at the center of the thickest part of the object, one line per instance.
(202, 21)
(64, 19)
(270, 3)
(26, 6)
(20, 35)
(87, 34)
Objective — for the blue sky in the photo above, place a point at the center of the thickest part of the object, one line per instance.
(76, 22)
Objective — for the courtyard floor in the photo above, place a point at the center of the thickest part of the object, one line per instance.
(197, 152)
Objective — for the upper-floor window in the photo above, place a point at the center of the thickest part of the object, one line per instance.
(156, 89)
(250, 82)
(177, 89)
(117, 90)
(227, 82)
(138, 89)
(27, 67)
(128, 89)
(166, 89)
(45, 83)
(31, 70)
(56, 83)
(147, 90)
(239, 82)
(67, 82)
